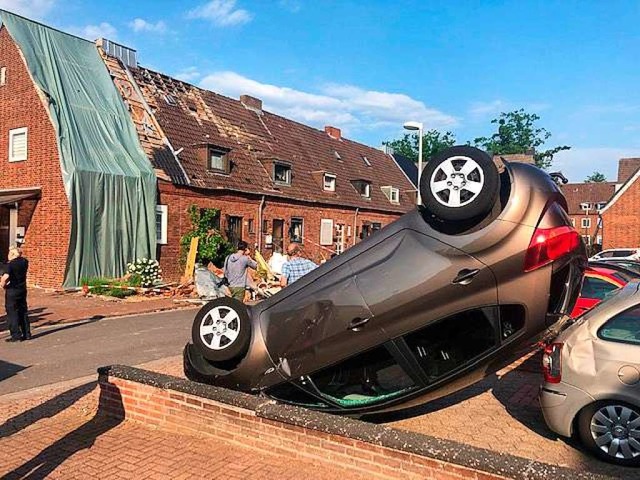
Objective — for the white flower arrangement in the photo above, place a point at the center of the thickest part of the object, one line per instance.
(148, 270)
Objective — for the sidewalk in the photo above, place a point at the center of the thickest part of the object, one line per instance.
(52, 308)
(56, 433)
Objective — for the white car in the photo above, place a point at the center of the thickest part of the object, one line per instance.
(618, 254)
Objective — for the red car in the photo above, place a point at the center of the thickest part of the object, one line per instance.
(598, 281)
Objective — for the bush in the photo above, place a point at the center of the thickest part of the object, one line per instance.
(144, 272)
(212, 247)
(107, 286)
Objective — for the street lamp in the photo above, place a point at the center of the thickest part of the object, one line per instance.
(419, 127)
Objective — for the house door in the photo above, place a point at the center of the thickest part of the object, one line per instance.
(234, 230)
(4, 233)
(339, 238)
(278, 235)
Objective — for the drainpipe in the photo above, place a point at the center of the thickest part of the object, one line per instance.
(260, 208)
(355, 223)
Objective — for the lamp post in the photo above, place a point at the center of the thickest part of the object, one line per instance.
(419, 127)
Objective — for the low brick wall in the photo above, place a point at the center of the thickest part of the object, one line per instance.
(182, 406)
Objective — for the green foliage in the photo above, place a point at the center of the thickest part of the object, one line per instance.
(107, 286)
(518, 133)
(212, 247)
(145, 272)
(595, 177)
(433, 142)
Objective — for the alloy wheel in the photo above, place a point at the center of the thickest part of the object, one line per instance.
(219, 328)
(616, 431)
(457, 181)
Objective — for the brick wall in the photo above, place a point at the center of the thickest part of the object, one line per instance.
(621, 221)
(590, 231)
(47, 221)
(196, 415)
(179, 199)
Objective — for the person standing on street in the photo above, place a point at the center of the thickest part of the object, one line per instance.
(296, 267)
(235, 269)
(14, 283)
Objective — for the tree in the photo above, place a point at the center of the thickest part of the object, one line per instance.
(595, 177)
(518, 133)
(433, 142)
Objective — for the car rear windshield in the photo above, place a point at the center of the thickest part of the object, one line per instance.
(622, 253)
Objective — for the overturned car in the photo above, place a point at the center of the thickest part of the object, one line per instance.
(429, 304)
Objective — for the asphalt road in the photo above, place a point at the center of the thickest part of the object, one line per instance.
(65, 352)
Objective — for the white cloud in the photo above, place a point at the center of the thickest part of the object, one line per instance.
(484, 110)
(344, 106)
(93, 32)
(578, 163)
(188, 74)
(35, 9)
(221, 12)
(141, 25)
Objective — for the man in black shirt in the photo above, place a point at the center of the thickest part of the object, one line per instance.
(14, 282)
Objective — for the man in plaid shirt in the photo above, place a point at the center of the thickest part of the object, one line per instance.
(296, 267)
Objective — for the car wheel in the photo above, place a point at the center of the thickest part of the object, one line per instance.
(222, 330)
(460, 183)
(611, 429)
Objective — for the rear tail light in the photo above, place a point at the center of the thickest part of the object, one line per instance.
(549, 244)
(552, 363)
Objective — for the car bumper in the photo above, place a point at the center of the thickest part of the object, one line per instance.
(560, 404)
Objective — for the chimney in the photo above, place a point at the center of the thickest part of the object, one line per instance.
(251, 103)
(333, 132)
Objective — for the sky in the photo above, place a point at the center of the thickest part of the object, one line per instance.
(368, 66)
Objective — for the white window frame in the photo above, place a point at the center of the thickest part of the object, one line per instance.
(585, 223)
(599, 239)
(573, 222)
(332, 179)
(12, 134)
(163, 210)
(326, 231)
(3, 76)
(586, 239)
(289, 174)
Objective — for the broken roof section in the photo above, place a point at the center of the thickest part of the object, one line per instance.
(107, 177)
(257, 144)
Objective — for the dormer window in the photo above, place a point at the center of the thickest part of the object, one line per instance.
(392, 193)
(329, 182)
(363, 187)
(217, 160)
(282, 173)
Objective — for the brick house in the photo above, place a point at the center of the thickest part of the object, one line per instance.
(274, 180)
(621, 215)
(585, 202)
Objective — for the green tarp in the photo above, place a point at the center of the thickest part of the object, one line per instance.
(108, 179)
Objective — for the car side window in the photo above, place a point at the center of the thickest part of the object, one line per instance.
(624, 327)
(596, 288)
(450, 344)
(605, 255)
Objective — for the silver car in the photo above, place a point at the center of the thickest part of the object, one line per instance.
(592, 379)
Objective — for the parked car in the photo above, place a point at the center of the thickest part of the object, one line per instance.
(597, 283)
(592, 379)
(630, 266)
(618, 253)
(429, 304)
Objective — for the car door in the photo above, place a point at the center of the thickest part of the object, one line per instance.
(412, 279)
(617, 356)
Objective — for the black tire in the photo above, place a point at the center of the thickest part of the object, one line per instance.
(584, 430)
(222, 347)
(472, 205)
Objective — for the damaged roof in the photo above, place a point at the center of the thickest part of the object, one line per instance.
(593, 193)
(254, 140)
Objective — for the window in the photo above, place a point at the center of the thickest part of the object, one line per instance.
(586, 239)
(375, 226)
(586, 223)
(3, 76)
(596, 288)
(282, 173)
(392, 193)
(18, 146)
(624, 327)
(218, 161)
(234, 230)
(622, 253)
(601, 205)
(365, 379)
(573, 222)
(366, 161)
(296, 231)
(586, 206)
(161, 224)
(599, 239)
(363, 187)
(170, 100)
(326, 231)
(250, 227)
(329, 182)
(453, 343)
